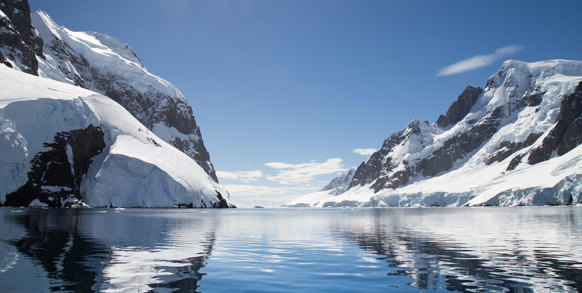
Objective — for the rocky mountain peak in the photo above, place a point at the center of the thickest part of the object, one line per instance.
(459, 108)
(528, 114)
(19, 41)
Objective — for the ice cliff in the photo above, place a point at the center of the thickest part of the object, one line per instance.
(62, 144)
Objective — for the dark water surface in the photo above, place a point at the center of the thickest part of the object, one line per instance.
(524, 249)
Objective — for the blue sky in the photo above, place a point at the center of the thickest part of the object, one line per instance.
(285, 91)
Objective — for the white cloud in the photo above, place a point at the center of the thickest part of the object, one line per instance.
(303, 173)
(364, 152)
(243, 195)
(478, 61)
(244, 176)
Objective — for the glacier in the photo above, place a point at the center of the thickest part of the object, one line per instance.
(35, 44)
(116, 162)
(514, 142)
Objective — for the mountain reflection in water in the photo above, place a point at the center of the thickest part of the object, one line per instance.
(507, 249)
(109, 250)
(290, 250)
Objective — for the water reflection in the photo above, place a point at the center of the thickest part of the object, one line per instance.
(291, 250)
(516, 250)
(105, 250)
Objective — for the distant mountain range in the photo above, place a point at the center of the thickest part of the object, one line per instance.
(86, 140)
(513, 142)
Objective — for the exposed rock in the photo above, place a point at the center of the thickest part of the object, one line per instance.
(533, 99)
(340, 183)
(370, 170)
(397, 179)
(222, 203)
(56, 174)
(460, 107)
(514, 162)
(565, 135)
(19, 42)
(572, 138)
(506, 148)
(458, 146)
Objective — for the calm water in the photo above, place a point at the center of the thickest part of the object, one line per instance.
(295, 250)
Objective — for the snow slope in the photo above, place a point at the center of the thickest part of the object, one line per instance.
(135, 168)
(515, 142)
(336, 186)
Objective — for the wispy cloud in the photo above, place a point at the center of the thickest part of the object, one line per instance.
(478, 61)
(364, 152)
(303, 173)
(243, 176)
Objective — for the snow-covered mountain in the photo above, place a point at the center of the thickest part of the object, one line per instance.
(513, 142)
(336, 186)
(96, 126)
(340, 184)
(62, 144)
(36, 44)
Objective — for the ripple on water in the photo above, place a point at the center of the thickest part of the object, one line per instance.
(357, 250)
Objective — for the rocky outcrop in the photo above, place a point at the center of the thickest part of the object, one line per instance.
(458, 146)
(460, 107)
(507, 148)
(340, 183)
(566, 134)
(19, 42)
(56, 175)
(370, 170)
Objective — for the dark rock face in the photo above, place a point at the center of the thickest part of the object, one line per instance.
(566, 133)
(56, 174)
(506, 148)
(457, 147)
(397, 179)
(460, 107)
(222, 203)
(533, 99)
(514, 162)
(572, 138)
(18, 42)
(370, 170)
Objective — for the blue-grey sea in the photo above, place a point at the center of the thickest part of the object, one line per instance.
(520, 249)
